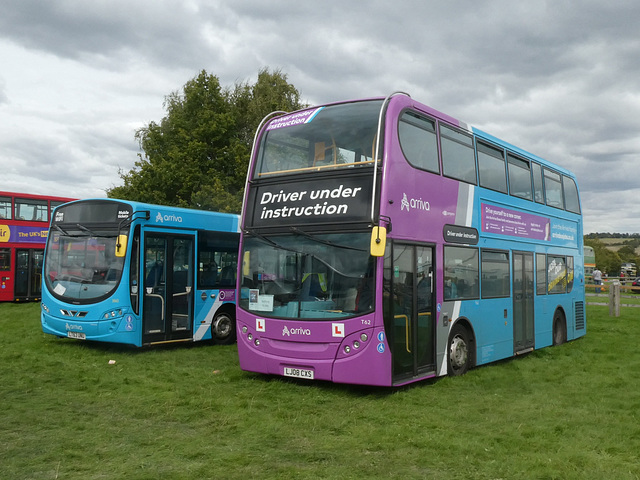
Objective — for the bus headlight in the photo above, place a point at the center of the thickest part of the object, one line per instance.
(45, 308)
(347, 349)
(364, 337)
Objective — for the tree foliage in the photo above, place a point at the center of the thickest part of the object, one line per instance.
(607, 260)
(197, 156)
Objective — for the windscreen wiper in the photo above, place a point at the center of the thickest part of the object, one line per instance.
(61, 230)
(86, 230)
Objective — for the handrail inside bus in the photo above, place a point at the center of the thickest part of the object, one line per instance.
(147, 294)
(320, 167)
(406, 330)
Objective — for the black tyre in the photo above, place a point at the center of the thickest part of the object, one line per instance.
(223, 328)
(460, 354)
(559, 328)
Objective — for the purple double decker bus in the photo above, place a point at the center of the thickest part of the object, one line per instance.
(384, 242)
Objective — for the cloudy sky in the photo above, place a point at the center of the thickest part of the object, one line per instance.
(558, 78)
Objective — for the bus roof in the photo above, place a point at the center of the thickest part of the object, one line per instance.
(228, 221)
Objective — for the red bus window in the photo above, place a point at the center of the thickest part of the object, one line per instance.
(5, 208)
(5, 259)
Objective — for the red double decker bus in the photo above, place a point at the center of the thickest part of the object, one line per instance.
(24, 226)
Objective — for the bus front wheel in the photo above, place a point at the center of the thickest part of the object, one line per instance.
(223, 329)
(459, 351)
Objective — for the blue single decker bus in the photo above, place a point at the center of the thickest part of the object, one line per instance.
(133, 273)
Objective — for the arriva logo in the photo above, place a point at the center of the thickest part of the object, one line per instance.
(72, 326)
(295, 331)
(5, 233)
(168, 218)
(415, 203)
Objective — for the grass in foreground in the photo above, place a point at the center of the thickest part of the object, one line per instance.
(189, 412)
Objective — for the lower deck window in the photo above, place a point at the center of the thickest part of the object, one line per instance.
(461, 273)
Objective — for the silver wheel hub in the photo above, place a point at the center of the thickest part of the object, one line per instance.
(222, 326)
(458, 352)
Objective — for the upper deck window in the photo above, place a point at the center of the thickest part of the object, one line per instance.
(519, 178)
(458, 156)
(571, 199)
(491, 166)
(537, 183)
(418, 141)
(32, 210)
(337, 136)
(553, 189)
(5, 208)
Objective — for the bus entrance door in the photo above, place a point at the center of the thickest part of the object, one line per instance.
(28, 281)
(523, 327)
(167, 311)
(409, 319)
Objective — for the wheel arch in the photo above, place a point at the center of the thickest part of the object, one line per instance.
(559, 321)
(228, 309)
(468, 326)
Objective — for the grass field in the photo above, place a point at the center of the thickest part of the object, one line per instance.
(569, 412)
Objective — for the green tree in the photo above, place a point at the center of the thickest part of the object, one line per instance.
(606, 260)
(197, 156)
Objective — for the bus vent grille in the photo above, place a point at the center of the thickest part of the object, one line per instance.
(579, 315)
(73, 313)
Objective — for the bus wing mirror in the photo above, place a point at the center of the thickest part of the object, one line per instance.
(246, 264)
(378, 241)
(121, 246)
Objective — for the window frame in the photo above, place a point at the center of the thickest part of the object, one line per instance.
(475, 288)
(489, 152)
(517, 169)
(442, 127)
(503, 294)
(404, 146)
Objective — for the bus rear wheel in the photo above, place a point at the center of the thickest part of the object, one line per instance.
(459, 351)
(223, 329)
(559, 328)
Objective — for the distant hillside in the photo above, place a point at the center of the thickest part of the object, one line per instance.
(614, 244)
(613, 236)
